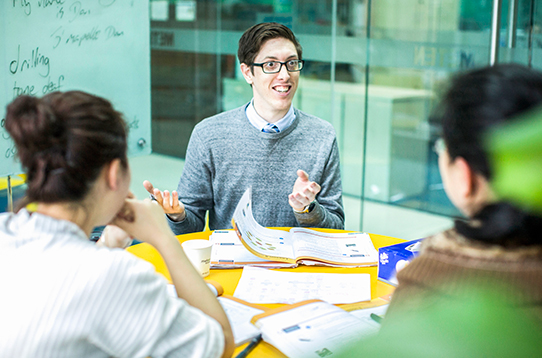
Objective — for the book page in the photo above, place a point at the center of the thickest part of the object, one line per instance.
(228, 252)
(266, 243)
(340, 248)
(259, 285)
(239, 316)
(316, 329)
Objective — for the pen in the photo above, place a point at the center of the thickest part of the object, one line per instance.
(376, 318)
(253, 343)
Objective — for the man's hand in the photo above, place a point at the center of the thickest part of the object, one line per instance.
(144, 219)
(169, 203)
(304, 191)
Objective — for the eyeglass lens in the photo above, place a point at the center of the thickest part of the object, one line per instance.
(275, 66)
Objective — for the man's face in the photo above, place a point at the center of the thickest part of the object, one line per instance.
(273, 92)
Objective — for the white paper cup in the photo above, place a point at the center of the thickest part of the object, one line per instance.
(199, 254)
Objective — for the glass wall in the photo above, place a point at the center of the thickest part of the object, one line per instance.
(374, 69)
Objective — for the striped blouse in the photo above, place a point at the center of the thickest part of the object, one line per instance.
(61, 296)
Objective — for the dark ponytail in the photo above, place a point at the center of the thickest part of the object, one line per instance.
(502, 224)
(63, 141)
(476, 102)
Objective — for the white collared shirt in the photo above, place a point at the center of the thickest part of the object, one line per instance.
(257, 121)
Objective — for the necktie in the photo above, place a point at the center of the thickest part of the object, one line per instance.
(270, 128)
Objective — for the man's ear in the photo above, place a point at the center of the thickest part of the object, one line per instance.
(112, 174)
(247, 73)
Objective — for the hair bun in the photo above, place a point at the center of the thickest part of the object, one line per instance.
(38, 135)
(33, 125)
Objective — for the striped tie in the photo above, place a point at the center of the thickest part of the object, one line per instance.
(271, 128)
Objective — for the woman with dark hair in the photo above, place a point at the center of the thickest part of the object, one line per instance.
(498, 246)
(64, 296)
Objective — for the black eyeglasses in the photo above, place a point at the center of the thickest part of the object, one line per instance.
(276, 66)
(439, 147)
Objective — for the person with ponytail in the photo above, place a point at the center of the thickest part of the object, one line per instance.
(65, 296)
(498, 246)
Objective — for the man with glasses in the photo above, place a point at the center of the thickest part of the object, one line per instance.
(266, 144)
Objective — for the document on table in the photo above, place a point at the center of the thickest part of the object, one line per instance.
(313, 329)
(259, 285)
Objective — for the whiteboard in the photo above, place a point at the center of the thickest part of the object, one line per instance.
(97, 46)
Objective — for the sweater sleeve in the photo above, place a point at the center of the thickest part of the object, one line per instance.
(137, 318)
(195, 186)
(328, 210)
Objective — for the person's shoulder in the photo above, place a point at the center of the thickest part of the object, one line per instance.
(227, 118)
(7, 219)
(313, 123)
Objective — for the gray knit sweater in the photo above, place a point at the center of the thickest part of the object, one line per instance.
(227, 154)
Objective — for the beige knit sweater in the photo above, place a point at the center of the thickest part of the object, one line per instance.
(449, 265)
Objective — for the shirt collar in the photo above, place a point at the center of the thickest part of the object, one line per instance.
(257, 121)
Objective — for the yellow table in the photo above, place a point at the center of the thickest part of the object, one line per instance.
(230, 277)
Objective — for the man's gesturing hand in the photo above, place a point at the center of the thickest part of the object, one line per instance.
(304, 191)
(170, 203)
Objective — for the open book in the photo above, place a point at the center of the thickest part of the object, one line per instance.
(299, 245)
(228, 252)
(312, 328)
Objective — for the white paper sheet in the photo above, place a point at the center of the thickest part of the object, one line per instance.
(259, 285)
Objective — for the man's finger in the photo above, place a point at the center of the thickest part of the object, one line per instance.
(302, 199)
(167, 202)
(303, 175)
(294, 203)
(158, 196)
(175, 202)
(148, 186)
(309, 191)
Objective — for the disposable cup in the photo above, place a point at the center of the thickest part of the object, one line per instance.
(199, 254)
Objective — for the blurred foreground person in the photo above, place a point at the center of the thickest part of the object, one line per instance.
(499, 244)
(474, 290)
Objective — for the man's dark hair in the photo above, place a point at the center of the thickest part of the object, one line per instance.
(253, 39)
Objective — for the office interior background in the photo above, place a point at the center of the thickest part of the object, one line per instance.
(374, 69)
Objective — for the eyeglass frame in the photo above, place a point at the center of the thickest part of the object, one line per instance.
(302, 62)
(440, 146)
